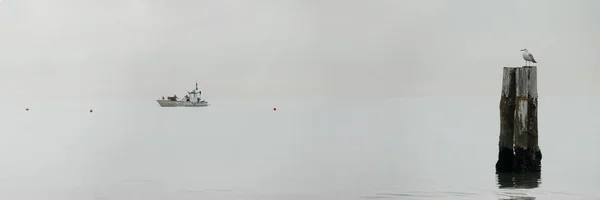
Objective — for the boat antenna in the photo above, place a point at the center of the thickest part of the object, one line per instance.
(196, 85)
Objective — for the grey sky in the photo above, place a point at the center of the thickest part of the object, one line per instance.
(285, 48)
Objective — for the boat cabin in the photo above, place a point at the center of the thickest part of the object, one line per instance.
(194, 95)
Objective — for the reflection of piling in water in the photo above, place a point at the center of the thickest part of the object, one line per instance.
(518, 145)
(519, 180)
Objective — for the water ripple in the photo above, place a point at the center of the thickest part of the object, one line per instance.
(416, 194)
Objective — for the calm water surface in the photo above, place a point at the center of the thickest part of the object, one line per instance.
(392, 149)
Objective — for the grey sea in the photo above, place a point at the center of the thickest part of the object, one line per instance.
(413, 148)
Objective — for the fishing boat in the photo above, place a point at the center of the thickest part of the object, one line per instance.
(192, 99)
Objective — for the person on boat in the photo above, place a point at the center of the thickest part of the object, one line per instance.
(163, 97)
(198, 100)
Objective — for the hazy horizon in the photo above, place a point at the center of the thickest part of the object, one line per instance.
(379, 99)
(72, 49)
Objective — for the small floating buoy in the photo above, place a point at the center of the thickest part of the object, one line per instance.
(26, 109)
(91, 110)
(274, 109)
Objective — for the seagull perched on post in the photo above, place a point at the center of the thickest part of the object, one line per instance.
(528, 57)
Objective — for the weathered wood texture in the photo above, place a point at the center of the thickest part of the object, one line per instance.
(507, 106)
(533, 149)
(518, 122)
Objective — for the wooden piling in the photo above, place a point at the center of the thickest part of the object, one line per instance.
(521, 124)
(518, 122)
(533, 150)
(507, 106)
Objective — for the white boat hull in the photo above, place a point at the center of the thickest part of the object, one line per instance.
(169, 103)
